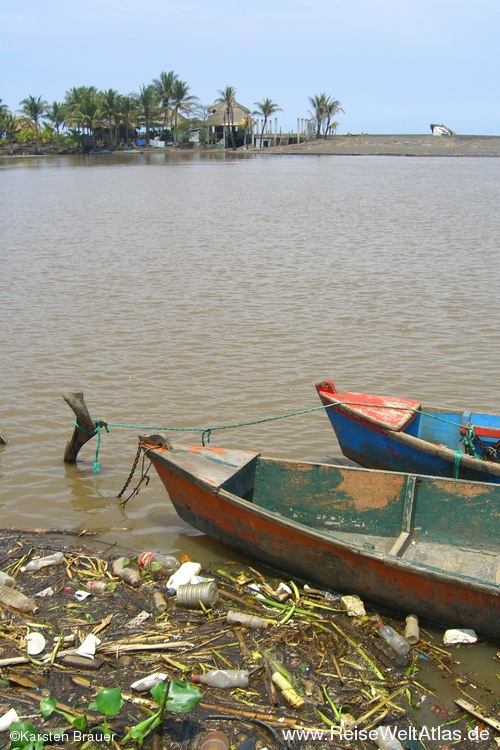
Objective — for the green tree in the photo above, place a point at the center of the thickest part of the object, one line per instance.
(83, 110)
(56, 115)
(228, 98)
(33, 108)
(109, 110)
(324, 108)
(9, 124)
(266, 108)
(163, 89)
(247, 124)
(181, 100)
(128, 115)
(146, 105)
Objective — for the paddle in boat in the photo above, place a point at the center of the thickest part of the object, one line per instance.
(400, 434)
(407, 542)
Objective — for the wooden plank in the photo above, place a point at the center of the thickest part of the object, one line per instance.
(471, 710)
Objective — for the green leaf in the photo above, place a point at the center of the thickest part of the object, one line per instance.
(24, 736)
(47, 705)
(182, 697)
(108, 701)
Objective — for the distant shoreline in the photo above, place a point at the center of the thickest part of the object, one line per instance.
(396, 145)
(338, 145)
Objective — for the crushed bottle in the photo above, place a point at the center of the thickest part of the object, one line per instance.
(42, 562)
(223, 678)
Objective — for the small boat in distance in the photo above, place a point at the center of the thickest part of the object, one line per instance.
(400, 434)
(406, 542)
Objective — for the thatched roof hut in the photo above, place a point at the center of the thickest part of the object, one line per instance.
(218, 114)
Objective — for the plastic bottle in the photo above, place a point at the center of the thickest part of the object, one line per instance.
(6, 579)
(393, 639)
(159, 602)
(412, 631)
(183, 576)
(15, 599)
(386, 738)
(42, 562)
(162, 563)
(214, 741)
(127, 571)
(197, 595)
(290, 695)
(223, 678)
(248, 621)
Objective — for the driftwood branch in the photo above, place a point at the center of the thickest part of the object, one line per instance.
(85, 427)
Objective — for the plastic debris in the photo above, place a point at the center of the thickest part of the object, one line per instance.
(353, 605)
(137, 621)
(35, 643)
(88, 647)
(146, 683)
(15, 599)
(7, 719)
(82, 595)
(42, 562)
(454, 636)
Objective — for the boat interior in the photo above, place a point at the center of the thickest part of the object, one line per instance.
(449, 525)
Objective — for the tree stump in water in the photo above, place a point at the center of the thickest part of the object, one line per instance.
(85, 426)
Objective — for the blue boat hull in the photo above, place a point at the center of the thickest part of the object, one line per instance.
(433, 441)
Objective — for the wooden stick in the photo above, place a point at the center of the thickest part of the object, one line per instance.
(471, 710)
(84, 427)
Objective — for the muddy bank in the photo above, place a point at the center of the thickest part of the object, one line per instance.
(396, 145)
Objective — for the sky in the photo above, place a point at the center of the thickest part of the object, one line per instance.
(395, 66)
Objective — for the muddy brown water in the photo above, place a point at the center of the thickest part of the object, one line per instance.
(214, 290)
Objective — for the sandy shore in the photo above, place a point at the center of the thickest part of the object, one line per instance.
(397, 145)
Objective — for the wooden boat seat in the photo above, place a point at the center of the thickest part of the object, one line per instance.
(392, 413)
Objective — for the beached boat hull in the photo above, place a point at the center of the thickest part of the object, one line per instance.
(398, 434)
(347, 529)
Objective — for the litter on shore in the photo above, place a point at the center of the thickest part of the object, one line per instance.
(98, 651)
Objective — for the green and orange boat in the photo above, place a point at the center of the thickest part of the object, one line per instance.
(408, 542)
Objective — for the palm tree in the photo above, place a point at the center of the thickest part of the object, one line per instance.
(82, 109)
(163, 88)
(128, 113)
(9, 124)
(181, 99)
(247, 124)
(324, 108)
(146, 105)
(33, 108)
(56, 114)
(332, 106)
(228, 98)
(109, 107)
(266, 109)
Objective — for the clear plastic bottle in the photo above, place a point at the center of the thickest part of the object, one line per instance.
(6, 579)
(166, 564)
(15, 599)
(386, 739)
(396, 641)
(127, 571)
(223, 678)
(42, 562)
(183, 576)
(197, 595)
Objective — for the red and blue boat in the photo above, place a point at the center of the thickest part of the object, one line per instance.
(401, 434)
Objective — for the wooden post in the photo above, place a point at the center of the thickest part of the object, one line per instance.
(85, 427)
